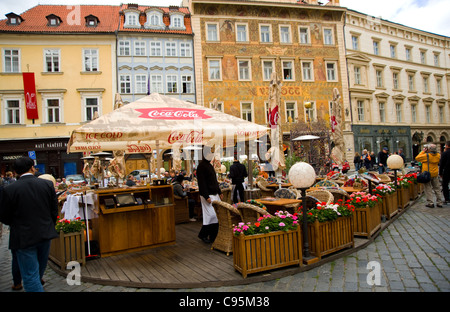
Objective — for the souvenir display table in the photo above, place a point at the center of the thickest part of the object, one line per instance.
(133, 218)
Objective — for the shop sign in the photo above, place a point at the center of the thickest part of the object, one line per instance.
(29, 88)
(11, 157)
(50, 145)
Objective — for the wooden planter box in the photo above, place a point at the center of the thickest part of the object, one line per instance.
(262, 252)
(366, 221)
(68, 247)
(413, 191)
(389, 205)
(403, 197)
(331, 236)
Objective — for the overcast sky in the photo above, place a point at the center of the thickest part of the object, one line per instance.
(428, 15)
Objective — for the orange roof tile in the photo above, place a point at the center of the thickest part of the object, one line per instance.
(72, 21)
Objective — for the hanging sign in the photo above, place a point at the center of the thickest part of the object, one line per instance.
(29, 88)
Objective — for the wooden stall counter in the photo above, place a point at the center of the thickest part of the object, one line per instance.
(135, 218)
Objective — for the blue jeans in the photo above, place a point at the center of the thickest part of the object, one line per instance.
(381, 169)
(32, 262)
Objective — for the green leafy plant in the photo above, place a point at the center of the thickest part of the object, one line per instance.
(69, 226)
(328, 212)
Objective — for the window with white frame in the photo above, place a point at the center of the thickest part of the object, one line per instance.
(398, 111)
(52, 59)
(360, 110)
(310, 113)
(219, 106)
(428, 113)
(288, 70)
(408, 54)
(355, 42)
(156, 84)
(411, 82)
(423, 57)
(307, 71)
(139, 48)
(212, 32)
(53, 110)
(328, 36)
(185, 49)
(244, 68)
(376, 47)
(265, 33)
(13, 112)
(155, 48)
(395, 80)
(291, 111)
(331, 71)
(267, 69)
(172, 83)
(177, 21)
(382, 111)
(426, 85)
(186, 84)
(131, 19)
(140, 81)
(171, 48)
(393, 50)
(215, 69)
(90, 57)
(414, 112)
(11, 60)
(285, 34)
(154, 19)
(91, 105)
(357, 75)
(304, 35)
(125, 84)
(241, 32)
(246, 111)
(436, 59)
(379, 78)
(438, 85)
(124, 48)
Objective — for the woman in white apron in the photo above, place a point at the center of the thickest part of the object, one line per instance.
(209, 191)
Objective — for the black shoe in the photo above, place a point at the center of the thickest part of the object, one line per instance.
(429, 205)
(439, 206)
(205, 240)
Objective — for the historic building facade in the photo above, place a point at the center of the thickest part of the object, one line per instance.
(71, 52)
(399, 85)
(155, 52)
(238, 44)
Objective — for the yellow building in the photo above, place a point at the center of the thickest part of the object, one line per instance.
(71, 52)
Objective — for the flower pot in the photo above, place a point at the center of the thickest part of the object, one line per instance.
(68, 247)
(330, 236)
(366, 221)
(413, 191)
(389, 205)
(403, 197)
(262, 252)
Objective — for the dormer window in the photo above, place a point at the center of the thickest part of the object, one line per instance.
(132, 19)
(14, 19)
(91, 21)
(177, 21)
(154, 19)
(53, 20)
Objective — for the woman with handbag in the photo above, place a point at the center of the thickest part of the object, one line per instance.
(429, 157)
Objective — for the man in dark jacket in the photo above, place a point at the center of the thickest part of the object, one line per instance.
(238, 173)
(29, 206)
(444, 172)
(209, 190)
(382, 160)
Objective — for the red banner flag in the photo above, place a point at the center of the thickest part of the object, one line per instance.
(29, 88)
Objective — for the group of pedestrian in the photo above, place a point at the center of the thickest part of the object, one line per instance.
(439, 168)
(29, 207)
(368, 160)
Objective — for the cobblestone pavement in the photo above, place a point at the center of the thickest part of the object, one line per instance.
(412, 255)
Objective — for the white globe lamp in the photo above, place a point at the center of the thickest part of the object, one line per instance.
(395, 162)
(302, 175)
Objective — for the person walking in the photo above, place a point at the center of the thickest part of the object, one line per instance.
(357, 161)
(431, 164)
(382, 160)
(209, 191)
(444, 172)
(366, 159)
(30, 207)
(238, 173)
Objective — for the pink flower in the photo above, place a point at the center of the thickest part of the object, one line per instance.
(281, 224)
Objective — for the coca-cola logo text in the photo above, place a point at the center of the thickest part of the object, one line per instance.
(191, 137)
(134, 148)
(172, 113)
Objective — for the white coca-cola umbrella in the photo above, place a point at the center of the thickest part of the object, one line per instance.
(161, 122)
